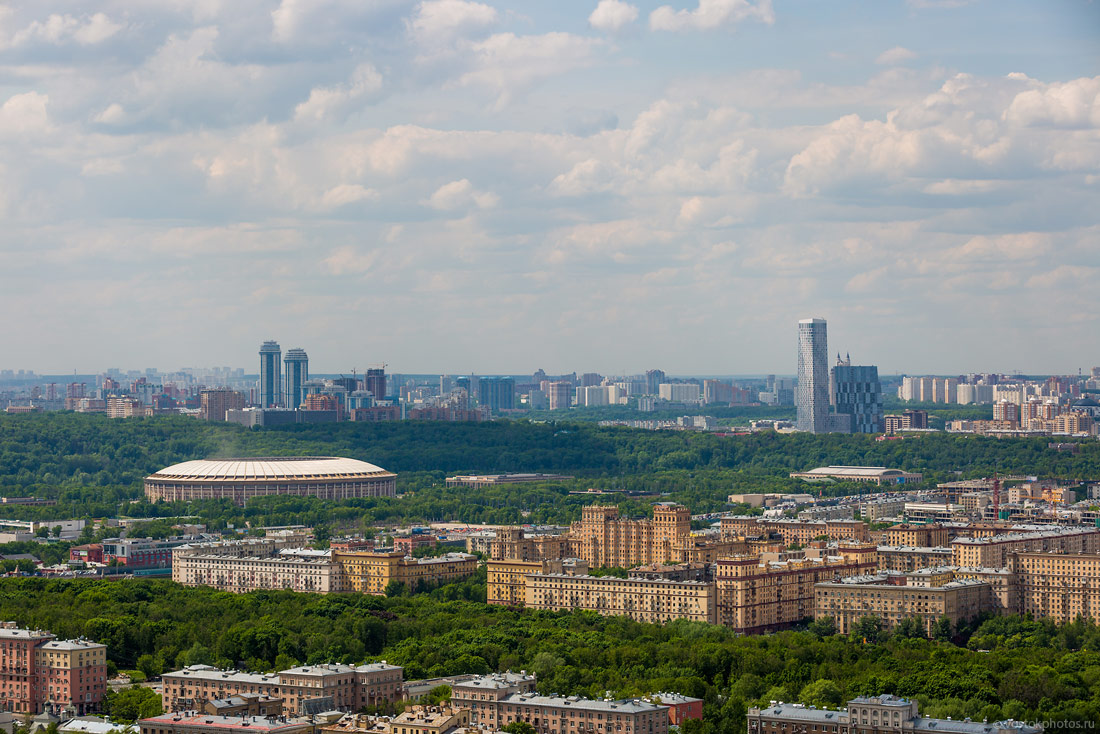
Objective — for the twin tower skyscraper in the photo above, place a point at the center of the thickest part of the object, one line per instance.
(275, 391)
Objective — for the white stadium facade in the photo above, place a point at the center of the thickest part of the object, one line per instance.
(239, 480)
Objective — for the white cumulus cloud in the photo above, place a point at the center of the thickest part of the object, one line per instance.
(710, 14)
(324, 102)
(461, 195)
(58, 29)
(895, 55)
(612, 15)
(436, 19)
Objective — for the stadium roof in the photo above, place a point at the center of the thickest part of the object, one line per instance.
(854, 471)
(269, 468)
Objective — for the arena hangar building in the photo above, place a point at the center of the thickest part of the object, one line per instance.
(327, 477)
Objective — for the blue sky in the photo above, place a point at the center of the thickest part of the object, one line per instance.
(461, 186)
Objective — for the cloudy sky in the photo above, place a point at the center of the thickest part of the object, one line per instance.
(454, 186)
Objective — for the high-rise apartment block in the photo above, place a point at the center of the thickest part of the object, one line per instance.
(653, 380)
(216, 401)
(559, 394)
(271, 377)
(812, 392)
(497, 393)
(297, 372)
(375, 382)
(778, 391)
(676, 392)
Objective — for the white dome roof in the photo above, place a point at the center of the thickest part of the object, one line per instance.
(269, 468)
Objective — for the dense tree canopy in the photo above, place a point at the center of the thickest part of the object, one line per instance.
(1009, 667)
(93, 466)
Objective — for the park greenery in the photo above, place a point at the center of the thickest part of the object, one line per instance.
(1000, 667)
(93, 467)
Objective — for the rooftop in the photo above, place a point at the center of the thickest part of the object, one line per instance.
(863, 471)
(497, 681)
(625, 705)
(237, 723)
(269, 468)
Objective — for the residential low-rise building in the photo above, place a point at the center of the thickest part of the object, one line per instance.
(413, 720)
(36, 669)
(883, 714)
(229, 567)
(495, 701)
(337, 686)
(201, 723)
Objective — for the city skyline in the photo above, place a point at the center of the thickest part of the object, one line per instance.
(488, 186)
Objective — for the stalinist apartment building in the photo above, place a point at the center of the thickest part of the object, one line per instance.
(996, 551)
(1061, 587)
(641, 599)
(602, 538)
(756, 595)
(38, 671)
(795, 532)
(246, 566)
(847, 602)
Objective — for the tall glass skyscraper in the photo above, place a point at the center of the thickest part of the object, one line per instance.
(297, 372)
(271, 375)
(859, 394)
(812, 392)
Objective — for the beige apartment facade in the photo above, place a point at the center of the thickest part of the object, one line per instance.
(602, 538)
(1061, 587)
(926, 536)
(371, 573)
(641, 599)
(513, 543)
(321, 572)
(848, 602)
(243, 574)
(756, 595)
(795, 532)
(907, 558)
(506, 579)
(995, 551)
